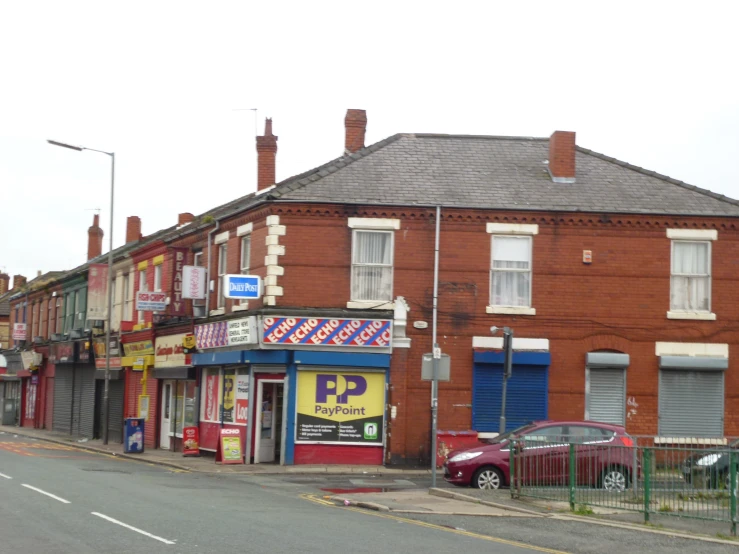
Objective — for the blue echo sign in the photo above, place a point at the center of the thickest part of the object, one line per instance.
(243, 287)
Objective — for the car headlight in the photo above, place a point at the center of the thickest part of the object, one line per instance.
(464, 456)
(708, 460)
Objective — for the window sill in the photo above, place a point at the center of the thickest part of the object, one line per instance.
(219, 311)
(513, 310)
(703, 316)
(240, 308)
(367, 305)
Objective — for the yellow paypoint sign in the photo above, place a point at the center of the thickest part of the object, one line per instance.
(188, 341)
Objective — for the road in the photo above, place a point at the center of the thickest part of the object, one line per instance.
(57, 499)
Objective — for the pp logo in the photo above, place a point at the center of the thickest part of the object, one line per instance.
(370, 431)
(328, 385)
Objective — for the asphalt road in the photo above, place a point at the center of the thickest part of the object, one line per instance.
(56, 499)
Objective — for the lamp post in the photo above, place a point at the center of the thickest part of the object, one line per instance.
(106, 403)
(507, 369)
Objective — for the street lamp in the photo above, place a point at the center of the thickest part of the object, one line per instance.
(106, 403)
(507, 367)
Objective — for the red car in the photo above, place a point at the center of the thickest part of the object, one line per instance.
(603, 453)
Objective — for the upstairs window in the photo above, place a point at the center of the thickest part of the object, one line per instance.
(143, 286)
(245, 257)
(510, 280)
(690, 286)
(222, 271)
(372, 266)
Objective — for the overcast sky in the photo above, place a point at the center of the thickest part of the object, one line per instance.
(168, 87)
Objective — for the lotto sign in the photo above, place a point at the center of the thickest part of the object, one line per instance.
(345, 408)
(373, 333)
(151, 301)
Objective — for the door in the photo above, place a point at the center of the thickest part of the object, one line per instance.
(166, 415)
(268, 431)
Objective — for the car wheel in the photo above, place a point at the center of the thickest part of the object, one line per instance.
(487, 478)
(615, 479)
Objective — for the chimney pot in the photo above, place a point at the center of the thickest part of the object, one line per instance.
(355, 124)
(184, 218)
(4, 283)
(94, 239)
(266, 154)
(18, 281)
(562, 156)
(133, 229)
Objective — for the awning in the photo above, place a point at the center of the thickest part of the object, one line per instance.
(694, 363)
(174, 373)
(606, 359)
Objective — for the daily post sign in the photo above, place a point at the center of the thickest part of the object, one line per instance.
(340, 407)
(242, 287)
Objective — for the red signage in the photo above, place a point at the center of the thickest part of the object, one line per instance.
(115, 363)
(177, 307)
(190, 442)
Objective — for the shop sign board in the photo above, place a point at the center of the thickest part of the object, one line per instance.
(151, 301)
(193, 286)
(19, 331)
(190, 441)
(294, 331)
(98, 345)
(97, 292)
(229, 447)
(242, 399)
(140, 348)
(340, 407)
(226, 333)
(242, 287)
(169, 352)
(115, 363)
(178, 304)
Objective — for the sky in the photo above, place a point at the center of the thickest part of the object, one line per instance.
(171, 88)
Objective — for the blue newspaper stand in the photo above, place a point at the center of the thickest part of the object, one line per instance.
(133, 435)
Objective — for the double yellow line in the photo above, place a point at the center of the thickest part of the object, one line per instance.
(324, 502)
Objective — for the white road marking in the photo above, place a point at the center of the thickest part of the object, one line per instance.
(55, 497)
(165, 541)
(5, 476)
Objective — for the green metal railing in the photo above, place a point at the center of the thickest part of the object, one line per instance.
(690, 480)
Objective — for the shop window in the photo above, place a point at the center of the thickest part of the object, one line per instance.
(245, 257)
(143, 286)
(222, 271)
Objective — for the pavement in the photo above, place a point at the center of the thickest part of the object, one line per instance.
(437, 501)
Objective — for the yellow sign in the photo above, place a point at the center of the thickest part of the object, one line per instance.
(141, 348)
(341, 407)
(188, 341)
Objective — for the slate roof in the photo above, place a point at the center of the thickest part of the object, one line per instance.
(504, 173)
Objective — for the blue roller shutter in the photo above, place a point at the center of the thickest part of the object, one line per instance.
(527, 390)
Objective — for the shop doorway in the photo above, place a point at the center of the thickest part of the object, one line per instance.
(166, 415)
(269, 417)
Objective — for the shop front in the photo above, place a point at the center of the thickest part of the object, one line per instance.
(30, 408)
(140, 388)
(74, 388)
(178, 390)
(10, 389)
(116, 388)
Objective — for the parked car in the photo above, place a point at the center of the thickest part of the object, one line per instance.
(710, 468)
(603, 453)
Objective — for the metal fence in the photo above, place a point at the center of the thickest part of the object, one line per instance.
(691, 478)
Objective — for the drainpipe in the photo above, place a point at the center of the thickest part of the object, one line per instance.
(207, 278)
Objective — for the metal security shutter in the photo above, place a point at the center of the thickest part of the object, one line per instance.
(87, 401)
(49, 409)
(63, 388)
(691, 403)
(526, 396)
(115, 400)
(606, 398)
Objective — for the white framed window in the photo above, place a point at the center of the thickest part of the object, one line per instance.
(50, 319)
(510, 271)
(222, 271)
(245, 259)
(690, 279)
(372, 266)
(127, 297)
(157, 278)
(143, 286)
(58, 328)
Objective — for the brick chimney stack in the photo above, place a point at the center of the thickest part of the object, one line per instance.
(266, 154)
(184, 218)
(355, 124)
(4, 283)
(18, 281)
(133, 229)
(94, 239)
(562, 157)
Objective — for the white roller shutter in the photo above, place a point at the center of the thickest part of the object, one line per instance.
(606, 398)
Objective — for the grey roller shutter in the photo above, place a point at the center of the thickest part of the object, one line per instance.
(63, 389)
(86, 383)
(607, 396)
(691, 403)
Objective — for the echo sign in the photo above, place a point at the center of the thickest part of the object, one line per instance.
(243, 287)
